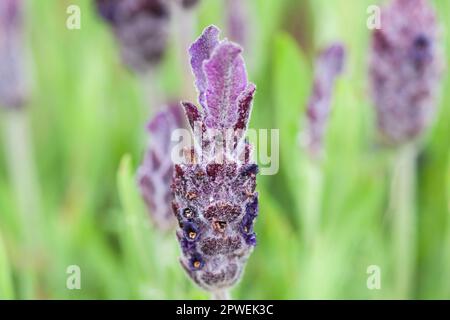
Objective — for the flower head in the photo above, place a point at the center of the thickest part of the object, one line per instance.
(13, 88)
(156, 170)
(405, 69)
(141, 27)
(214, 189)
(329, 65)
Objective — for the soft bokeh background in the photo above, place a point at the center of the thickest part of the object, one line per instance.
(87, 116)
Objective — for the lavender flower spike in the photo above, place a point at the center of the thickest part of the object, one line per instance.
(405, 69)
(329, 65)
(215, 201)
(13, 82)
(156, 170)
(141, 28)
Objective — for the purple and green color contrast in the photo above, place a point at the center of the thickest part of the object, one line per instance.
(215, 201)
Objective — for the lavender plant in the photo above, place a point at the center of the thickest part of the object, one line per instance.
(405, 69)
(329, 65)
(141, 28)
(21, 167)
(156, 171)
(13, 84)
(215, 201)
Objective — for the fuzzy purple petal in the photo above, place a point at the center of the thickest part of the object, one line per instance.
(192, 113)
(200, 51)
(245, 107)
(227, 79)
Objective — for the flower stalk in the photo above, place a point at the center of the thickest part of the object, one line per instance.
(221, 295)
(329, 65)
(405, 72)
(14, 94)
(403, 209)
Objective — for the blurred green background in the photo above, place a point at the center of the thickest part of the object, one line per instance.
(320, 225)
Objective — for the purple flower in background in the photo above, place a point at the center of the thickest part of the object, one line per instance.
(141, 27)
(214, 188)
(188, 4)
(13, 84)
(237, 20)
(328, 66)
(405, 69)
(156, 171)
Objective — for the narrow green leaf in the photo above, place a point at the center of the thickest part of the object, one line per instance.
(6, 286)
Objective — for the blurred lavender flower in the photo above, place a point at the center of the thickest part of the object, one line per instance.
(142, 28)
(156, 171)
(13, 84)
(188, 4)
(237, 20)
(214, 189)
(405, 69)
(329, 65)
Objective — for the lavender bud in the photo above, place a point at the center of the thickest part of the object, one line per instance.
(215, 202)
(405, 69)
(141, 28)
(329, 65)
(13, 88)
(156, 170)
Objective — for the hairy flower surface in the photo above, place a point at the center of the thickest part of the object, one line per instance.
(215, 201)
(405, 69)
(329, 65)
(141, 27)
(156, 171)
(13, 89)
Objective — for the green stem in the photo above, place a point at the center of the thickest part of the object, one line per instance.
(403, 194)
(25, 186)
(153, 98)
(312, 202)
(221, 295)
(6, 286)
